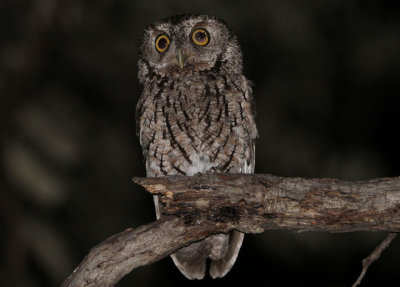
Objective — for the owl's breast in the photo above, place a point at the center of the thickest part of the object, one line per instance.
(195, 128)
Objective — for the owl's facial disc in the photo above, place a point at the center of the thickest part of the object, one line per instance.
(193, 44)
(189, 50)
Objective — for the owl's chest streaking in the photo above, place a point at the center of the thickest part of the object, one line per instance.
(196, 124)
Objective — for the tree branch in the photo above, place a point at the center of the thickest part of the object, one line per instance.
(253, 203)
(208, 204)
(374, 256)
(115, 257)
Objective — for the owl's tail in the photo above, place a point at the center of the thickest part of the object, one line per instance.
(222, 249)
(220, 267)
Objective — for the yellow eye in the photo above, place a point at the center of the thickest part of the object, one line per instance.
(200, 37)
(162, 43)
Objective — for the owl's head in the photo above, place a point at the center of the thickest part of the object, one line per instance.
(186, 44)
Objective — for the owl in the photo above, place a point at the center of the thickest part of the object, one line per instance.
(195, 115)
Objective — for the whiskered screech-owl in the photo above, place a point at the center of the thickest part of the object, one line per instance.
(195, 115)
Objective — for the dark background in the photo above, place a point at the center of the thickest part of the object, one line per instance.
(326, 81)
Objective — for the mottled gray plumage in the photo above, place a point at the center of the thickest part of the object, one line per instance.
(195, 115)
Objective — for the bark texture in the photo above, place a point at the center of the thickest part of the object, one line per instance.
(115, 257)
(253, 203)
(208, 204)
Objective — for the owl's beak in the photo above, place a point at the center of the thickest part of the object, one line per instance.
(180, 57)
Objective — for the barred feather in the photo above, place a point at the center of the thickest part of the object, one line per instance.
(197, 119)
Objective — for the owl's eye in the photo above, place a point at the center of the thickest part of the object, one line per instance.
(162, 43)
(200, 37)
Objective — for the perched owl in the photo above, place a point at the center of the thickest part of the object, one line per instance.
(195, 115)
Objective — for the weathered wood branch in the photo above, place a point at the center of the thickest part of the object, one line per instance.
(208, 204)
(253, 203)
(115, 257)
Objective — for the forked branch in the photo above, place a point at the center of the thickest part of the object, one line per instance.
(198, 206)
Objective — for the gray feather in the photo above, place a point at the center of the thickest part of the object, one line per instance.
(196, 115)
